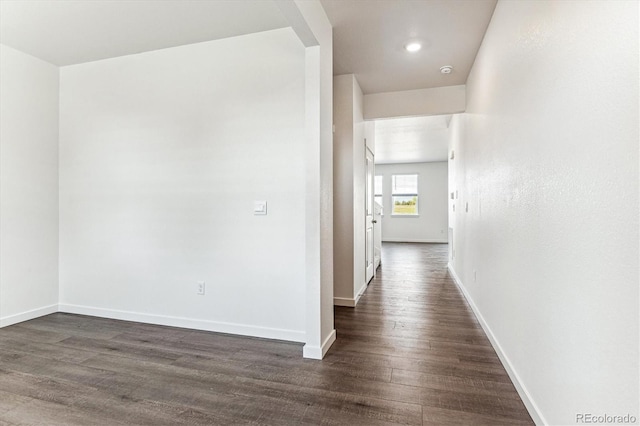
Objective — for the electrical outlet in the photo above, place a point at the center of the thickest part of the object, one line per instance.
(200, 288)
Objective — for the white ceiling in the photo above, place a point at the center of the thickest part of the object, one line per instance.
(65, 32)
(369, 38)
(369, 35)
(412, 140)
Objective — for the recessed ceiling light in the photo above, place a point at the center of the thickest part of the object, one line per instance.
(413, 47)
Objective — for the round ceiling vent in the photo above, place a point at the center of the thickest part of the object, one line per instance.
(446, 69)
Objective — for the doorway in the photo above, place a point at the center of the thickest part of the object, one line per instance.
(369, 217)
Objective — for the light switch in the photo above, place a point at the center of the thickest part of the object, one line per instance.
(259, 207)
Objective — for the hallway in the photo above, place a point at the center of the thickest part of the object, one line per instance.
(413, 328)
(410, 353)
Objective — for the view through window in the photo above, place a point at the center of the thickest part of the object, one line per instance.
(404, 191)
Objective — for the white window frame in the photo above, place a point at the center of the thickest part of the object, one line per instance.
(375, 193)
(394, 195)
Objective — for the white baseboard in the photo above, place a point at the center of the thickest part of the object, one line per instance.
(350, 302)
(361, 291)
(181, 322)
(28, 315)
(344, 301)
(528, 401)
(413, 240)
(318, 352)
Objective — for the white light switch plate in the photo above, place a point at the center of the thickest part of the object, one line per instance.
(259, 207)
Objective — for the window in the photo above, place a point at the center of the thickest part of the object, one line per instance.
(378, 189)
(404, 190)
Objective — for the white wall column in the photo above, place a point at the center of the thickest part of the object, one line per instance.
(310, 22)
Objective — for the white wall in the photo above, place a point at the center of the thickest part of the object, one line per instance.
(430, 226)
(312, 26)
(408, 103)
(28, 187)
(359, 176)
(547, 158)
(162, 155)
(349, 191)
(343, 187)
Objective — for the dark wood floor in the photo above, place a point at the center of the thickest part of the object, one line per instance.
(410, 353)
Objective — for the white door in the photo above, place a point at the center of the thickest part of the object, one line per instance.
(377, 236)
(369, 243)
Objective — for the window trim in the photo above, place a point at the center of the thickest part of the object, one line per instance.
(380, 195)
(416, 194)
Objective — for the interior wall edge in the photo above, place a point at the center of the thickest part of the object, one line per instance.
(318, 352)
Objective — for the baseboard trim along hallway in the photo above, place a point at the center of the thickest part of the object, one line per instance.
(410, 353)
(535, 413)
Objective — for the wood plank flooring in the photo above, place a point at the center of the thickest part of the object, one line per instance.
(410, 353)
